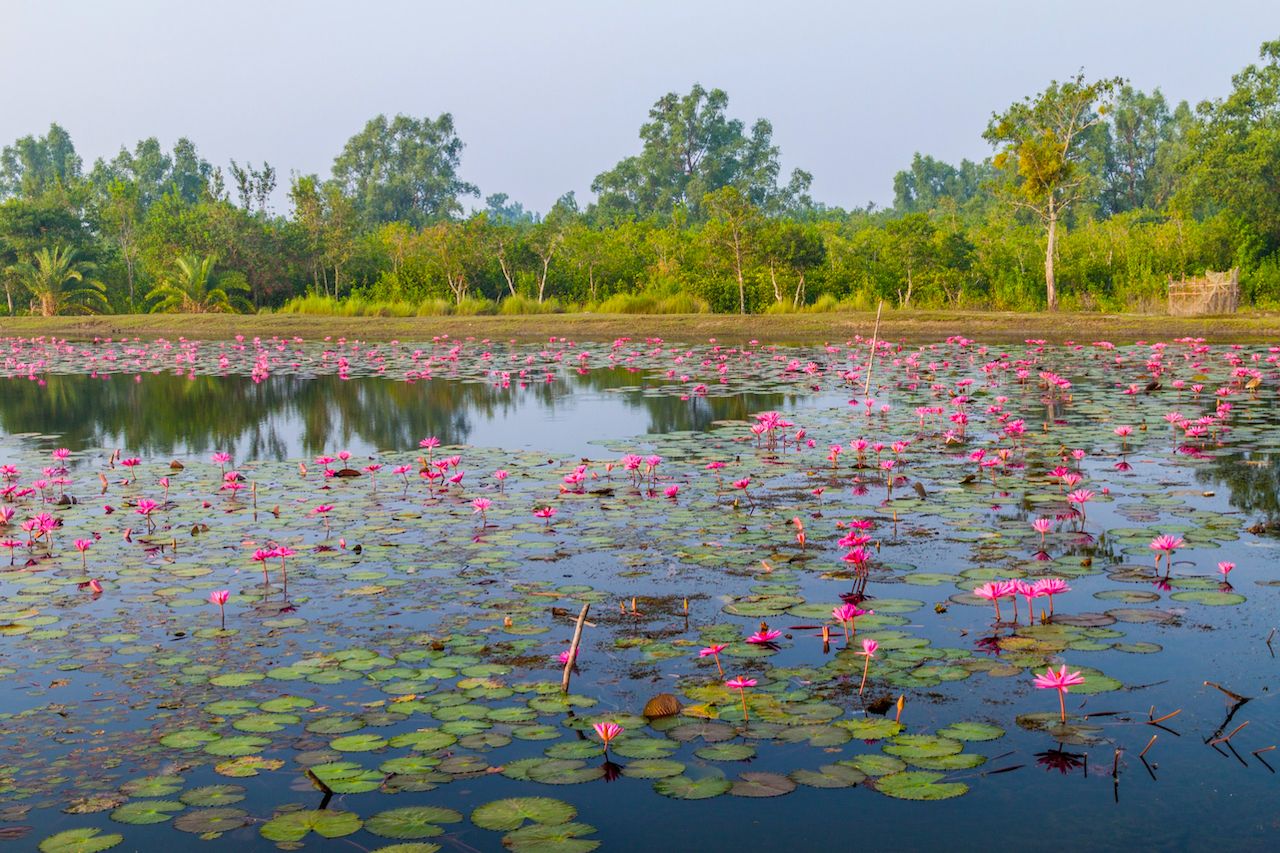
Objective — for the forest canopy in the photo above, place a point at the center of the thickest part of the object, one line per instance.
(1093, 196)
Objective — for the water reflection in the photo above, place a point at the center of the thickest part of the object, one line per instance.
(291, 416)
(1252, 479)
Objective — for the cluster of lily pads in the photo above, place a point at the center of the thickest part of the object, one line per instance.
(419, 634)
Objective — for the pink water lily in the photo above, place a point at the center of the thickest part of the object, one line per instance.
(713, 651)
(83, 545)
(219, 597)
(607, 732)
(869, 647)
(764, 635)
(1050, 587)
(1060, 681)
(481, 506)
(845, 614)
(741, 683)
(1164, 545)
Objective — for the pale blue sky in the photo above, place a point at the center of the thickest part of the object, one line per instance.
(547, 94)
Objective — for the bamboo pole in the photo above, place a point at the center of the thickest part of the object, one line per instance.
(573, 648)
(875, 335)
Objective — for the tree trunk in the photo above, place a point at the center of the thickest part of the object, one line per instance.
(798, 300)
(542, 280)
(506, 273)
(773, 277)
(1051, 245)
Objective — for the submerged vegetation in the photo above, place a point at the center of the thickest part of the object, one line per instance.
(1096, 194)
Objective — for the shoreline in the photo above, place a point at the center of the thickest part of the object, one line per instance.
(910, 326)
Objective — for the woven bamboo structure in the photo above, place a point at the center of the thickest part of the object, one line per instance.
(1213, 293)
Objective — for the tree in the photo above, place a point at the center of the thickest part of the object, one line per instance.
(545, 239)
(1139, 125)
(795, 249)
(59, 285)
(32, 166)
(911, 247)
(403, 170)
(731, 229)
(692, 148)
(500, 208)
(119, 214)
(505, 242)
(1042, 143)
(192, 288)
(455, 253)
(928, 181)
(1231, 160)
(328, 221)
(254, 186)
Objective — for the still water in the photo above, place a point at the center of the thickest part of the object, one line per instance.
(408, 656)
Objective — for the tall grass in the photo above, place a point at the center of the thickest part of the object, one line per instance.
(648, 303)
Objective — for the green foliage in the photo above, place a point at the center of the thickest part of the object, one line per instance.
(1096, 195)
(403, 170)
(60, 284)
(192, 288)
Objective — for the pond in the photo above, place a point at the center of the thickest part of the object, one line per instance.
(407, 534)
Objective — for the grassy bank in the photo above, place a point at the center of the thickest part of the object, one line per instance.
(915, 326)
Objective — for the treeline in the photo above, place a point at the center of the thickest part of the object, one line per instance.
(1094, 196)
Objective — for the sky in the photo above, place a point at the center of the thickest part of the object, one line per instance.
(546, 94)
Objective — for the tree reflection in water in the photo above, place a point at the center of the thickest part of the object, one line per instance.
(288, 416)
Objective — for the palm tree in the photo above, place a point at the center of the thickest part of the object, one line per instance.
(59, 284)
(192, 288)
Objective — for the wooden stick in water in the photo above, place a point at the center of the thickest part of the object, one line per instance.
(573, 648)
(875, 335)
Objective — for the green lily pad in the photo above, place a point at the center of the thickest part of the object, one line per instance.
(689, 788)
(86, 840)
(726, 752)
(411, 822)
(970, 731)
(829, 776)
(1209, 597)
(210, 821)
(511, 813)
(652, 768)
(557, 838)
(213, 795)
(146, 811)
(294, 826)
(919, 785)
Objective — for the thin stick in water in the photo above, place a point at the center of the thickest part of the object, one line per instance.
(573, 648)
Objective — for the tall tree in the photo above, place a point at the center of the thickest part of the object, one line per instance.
(254, 186)
(1139, 125)
(922, 187)
(405, 169)
(329, 222)
(32, 166)
(120, 215)
(1232, 157)
(1042, 144)
(732, 226)
(691, 148)
(791, 248)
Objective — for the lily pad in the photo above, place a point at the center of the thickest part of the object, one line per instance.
(919, 785)
(511, 813)
(86, 840)
(411, 822)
